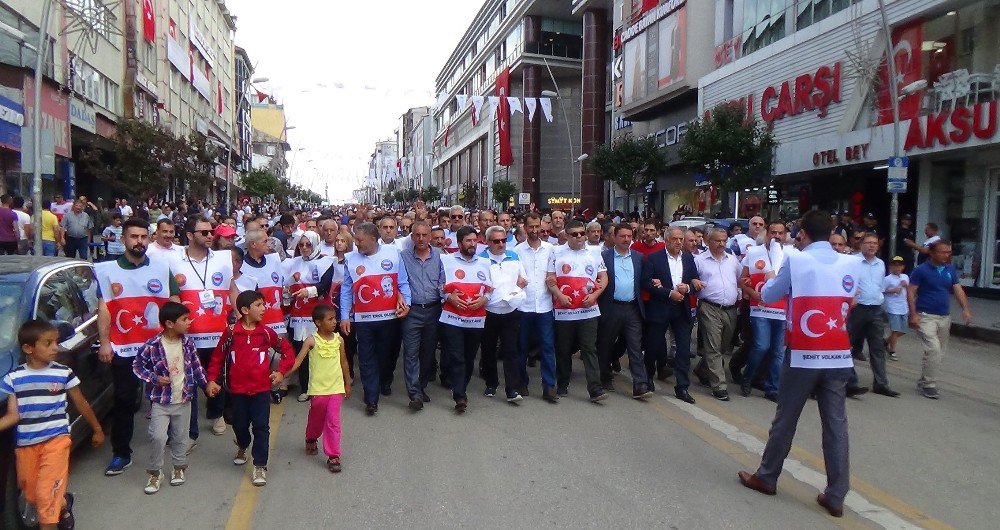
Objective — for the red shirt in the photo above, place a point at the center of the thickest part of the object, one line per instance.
(645, 249)
(250, 364)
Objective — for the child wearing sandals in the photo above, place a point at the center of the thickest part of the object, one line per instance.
(329, 384)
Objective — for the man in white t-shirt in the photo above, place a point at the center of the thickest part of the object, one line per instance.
(162, 245)
(25, 230)
(932, 232)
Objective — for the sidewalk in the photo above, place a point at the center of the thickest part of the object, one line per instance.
(985, 320)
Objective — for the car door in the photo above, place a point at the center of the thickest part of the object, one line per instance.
(68, 296)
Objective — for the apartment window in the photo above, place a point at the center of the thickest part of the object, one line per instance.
(149, 56)
(764, 22)
(809, 12)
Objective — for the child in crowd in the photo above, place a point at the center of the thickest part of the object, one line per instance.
(169, 365)
(37, 393)
(112, 238)
(242, 361)
(896, 307)
(329, 384)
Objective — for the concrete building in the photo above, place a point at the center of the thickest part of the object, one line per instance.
(242, 149)
(383, 169)
(415, 141)
(268, 153)
(81, 88)
(811, 71)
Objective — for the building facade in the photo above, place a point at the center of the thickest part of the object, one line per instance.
(242, 148)
(814, 72)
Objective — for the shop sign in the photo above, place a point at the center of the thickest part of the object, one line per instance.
(176, 54)
(11, 121)
(831, 157)
(55, 113)
(954, 126)
(143, 81)
(807, 92)
(559, 201)
(729, 51)
(200, 42)
(82, 115)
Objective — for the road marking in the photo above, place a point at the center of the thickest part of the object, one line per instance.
(896, 513)
(241, 515)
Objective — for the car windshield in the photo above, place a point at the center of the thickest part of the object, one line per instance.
(10, 301)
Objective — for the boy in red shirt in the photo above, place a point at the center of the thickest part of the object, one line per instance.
(242, 364)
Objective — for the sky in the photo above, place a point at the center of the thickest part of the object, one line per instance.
(385, 54)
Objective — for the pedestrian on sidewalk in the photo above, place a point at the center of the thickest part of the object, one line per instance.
(37, 394)
(820, 284)
(169, 365)
(242, 363)
(896, 307)
(329, 384)
(930, 287)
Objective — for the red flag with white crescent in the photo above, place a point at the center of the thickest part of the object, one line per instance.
(503, 118)
(148, 21)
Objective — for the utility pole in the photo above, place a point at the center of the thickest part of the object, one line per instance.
(36, 127)
(890, 61)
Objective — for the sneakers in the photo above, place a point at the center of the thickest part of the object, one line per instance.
(153, 483)
(259, 477)
(721, 395)
(191, 448)
(642, 392)
(241, 456)
(562, 391)
(303, 397)
(929, 392)
(600, 395)
(490, 391)
(514, 397)
(118, 465)
(371, 409)
(66, 519)
(893, 356)
(219, 426)
(177, 477)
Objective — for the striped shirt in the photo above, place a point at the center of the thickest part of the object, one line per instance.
(41, 401)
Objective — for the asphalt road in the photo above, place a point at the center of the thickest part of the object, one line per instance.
(623, 463)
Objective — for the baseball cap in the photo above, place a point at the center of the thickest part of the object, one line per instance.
(907, 216)
(225, 231)
(870, 215)
(897, 259)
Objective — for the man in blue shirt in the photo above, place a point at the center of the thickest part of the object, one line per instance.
(867, 319)
(931, 285)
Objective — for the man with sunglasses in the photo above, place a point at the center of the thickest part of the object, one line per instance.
(502, 316)
(576, 278)
(456, 220)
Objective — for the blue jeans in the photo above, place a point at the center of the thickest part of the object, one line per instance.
(768, 336)
(540, 327)
(49, 248)
(252, 414)
(374, 341)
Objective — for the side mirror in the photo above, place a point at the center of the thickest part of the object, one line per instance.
(65, 329)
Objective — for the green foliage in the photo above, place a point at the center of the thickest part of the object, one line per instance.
(503, 191)
(398, 196)
(261, 183)
(411, 194)
(628, 161)
(431, 194)
(731, 149)
(470, 194)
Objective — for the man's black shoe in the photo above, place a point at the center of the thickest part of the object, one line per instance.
(461, 405)
(683, 395)
(664, 373)
(600, 395)
(616, 366)
(855, 391)
(771, 396)
(371, 409)
(532, 362)
(523, 391)
(884, 391)
(703, 380)
(562, 391)
(721, 395)
(416, 404)
(549, 395)
(425, 398)
(386, 390)
(745, 389)
(642, 392)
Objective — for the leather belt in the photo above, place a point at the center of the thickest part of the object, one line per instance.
(619, 302)
(428, 305)
(720, 306)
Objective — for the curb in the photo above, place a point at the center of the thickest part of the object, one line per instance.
(976, 333)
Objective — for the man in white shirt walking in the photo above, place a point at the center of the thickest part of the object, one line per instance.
(718, 291)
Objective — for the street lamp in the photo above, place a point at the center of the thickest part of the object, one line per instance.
(890, 62)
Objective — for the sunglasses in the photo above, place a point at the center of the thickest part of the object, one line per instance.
(205, 233)
(498, 241)
(458, 217)
(576, 234)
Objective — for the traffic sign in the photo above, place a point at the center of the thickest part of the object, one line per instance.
(897, 181)
(523, 199)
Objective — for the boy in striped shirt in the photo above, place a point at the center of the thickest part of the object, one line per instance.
(36, 403)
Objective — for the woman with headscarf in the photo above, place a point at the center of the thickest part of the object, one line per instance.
(303, 274)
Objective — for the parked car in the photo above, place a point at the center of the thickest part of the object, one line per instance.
(726, 223)
(689, 222)
(64, 292)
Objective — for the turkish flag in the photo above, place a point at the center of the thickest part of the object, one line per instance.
(819, 323)
(576, 288)
(261, 96)
(907, 57)
(148, 21)
(503, 118)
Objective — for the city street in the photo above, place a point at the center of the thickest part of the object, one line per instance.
(628, 464)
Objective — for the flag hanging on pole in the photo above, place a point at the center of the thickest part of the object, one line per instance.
(503, 119)
(148, 21)
(261, 96)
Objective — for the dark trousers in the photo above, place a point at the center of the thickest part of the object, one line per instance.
(251, 418)
(374, 341)
(124, 407)
(503, 329)
(830, 387)
(621, 323)
(388, 365)
(76, 246)
(584, 333)
(868, 323)
(420, 336)
(745, 332)
(214, 406)
(656, 346)
(303, 368)
(8, 248)
(460, 346)
(350, 349)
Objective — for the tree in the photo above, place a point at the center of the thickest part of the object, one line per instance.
(261, 183)
(503, 192)
(140, 161)
(731, 149)
(431, 194)
(629, 162)
(398, 196)
(470, 194)
(411, 194)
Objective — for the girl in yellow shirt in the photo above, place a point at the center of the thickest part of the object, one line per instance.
(329, 384)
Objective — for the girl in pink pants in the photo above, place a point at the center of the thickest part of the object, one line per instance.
(329, 384)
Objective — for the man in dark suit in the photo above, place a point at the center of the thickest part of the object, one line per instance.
(667, 277)
(622, 311)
